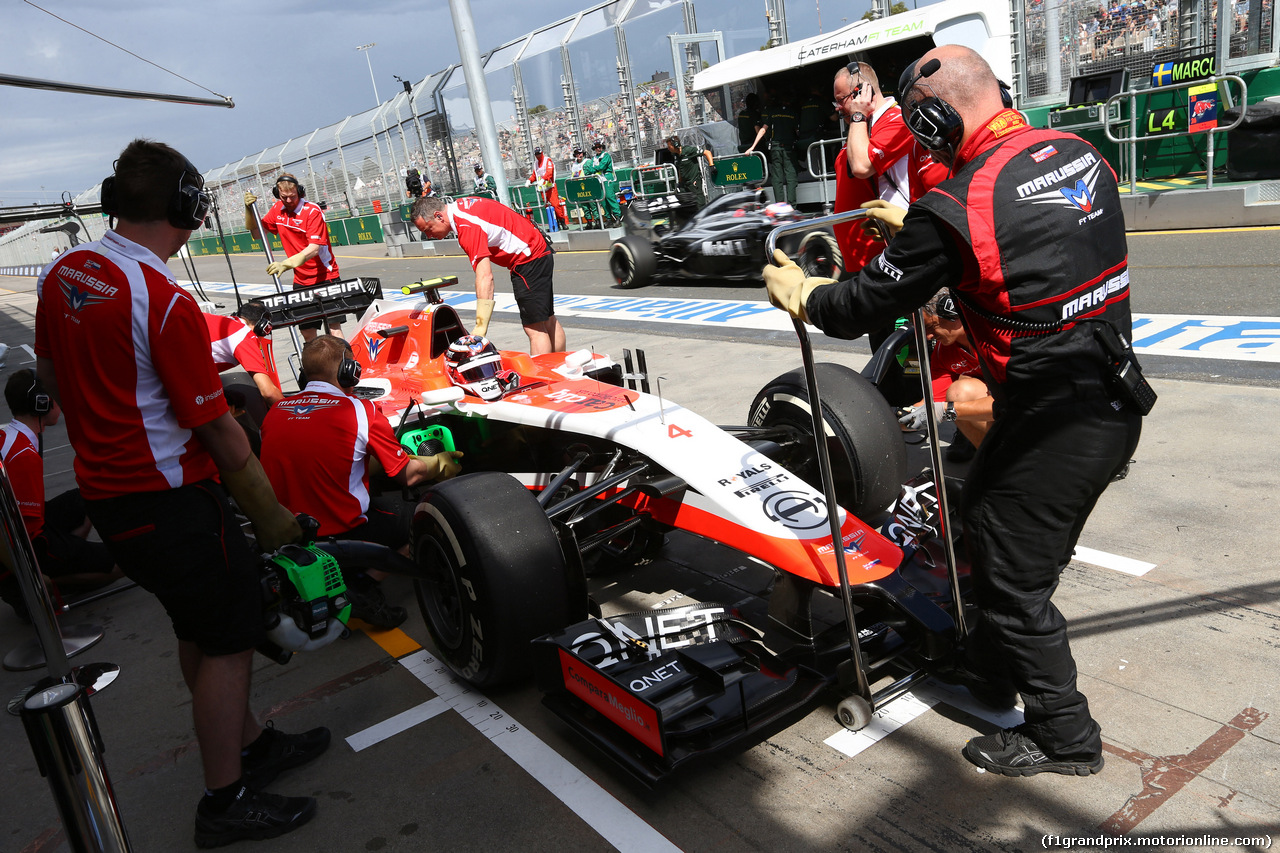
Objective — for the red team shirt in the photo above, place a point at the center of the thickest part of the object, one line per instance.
(947, 364)
(131, 355)
(233, 342)
(489, 229)
(904, 172)
(22, 461)
(298, 230)
(315, 449)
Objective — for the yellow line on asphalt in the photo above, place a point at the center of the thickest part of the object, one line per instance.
(393, 641)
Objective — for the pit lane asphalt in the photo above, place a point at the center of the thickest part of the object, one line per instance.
(1179, 663)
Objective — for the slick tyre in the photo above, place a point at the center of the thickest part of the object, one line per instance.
(632, 262)
(492, 575)
(868, 456)
(820, 255)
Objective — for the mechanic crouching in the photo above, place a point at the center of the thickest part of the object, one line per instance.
(319, 449)
(1029, 237)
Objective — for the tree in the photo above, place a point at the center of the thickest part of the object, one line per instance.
(896, 9)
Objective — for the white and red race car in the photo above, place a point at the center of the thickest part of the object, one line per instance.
(577, 482)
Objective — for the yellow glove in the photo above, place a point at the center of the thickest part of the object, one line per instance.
(273, 525)
(484, 310)
(887, 218)
(788, 288)
(290, 263)
(442, 466)
(250, 199)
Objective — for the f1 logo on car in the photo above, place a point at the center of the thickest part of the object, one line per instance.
(796, 510)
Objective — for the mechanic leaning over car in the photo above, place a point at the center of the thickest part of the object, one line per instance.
(492, 233)
(1040, 286)
(304, 235)
(234, 340)
(319, 448)
(152, 435)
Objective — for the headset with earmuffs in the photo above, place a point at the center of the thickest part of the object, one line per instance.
(262, 326)
(38, 402)
(348, 370)
(188, 206)
(855, 70)
(287, 178)
(934, 123)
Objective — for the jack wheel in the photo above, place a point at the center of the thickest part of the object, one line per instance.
(854, 713)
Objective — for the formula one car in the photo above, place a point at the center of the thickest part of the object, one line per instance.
(588, 506)
(724, 241)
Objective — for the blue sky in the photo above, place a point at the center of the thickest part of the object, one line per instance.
(290, 67)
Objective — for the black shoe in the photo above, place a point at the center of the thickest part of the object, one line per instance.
(961, 449)
(252, 815)
(283, 752)
(1012, 753)
(998, 695)
(369, 605)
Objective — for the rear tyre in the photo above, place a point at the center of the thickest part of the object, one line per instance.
(864, 440)
(820, 255)
(632, 262)
(494, 577)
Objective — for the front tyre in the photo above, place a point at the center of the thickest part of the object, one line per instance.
(494, 577)
(632, 262)
(820, 255)
(864, 440)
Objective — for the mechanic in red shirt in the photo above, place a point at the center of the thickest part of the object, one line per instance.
(880, 160)
(492, 233)
(125, 351)
(237, 340)
(544, 175)
(304, 234)
(319, 449)
(57, 528)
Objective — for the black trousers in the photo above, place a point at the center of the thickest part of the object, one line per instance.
(1035, 479)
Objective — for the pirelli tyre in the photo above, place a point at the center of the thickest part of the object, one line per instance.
(868, 455)
(632, 262)
(493, 576)
(819, 255)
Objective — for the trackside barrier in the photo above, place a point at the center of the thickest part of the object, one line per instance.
(1133, 138)
(56, 715)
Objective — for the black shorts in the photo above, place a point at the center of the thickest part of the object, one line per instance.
(531, 283)
(185, 547)
(336, 319)
(387, 522)
(60, 552)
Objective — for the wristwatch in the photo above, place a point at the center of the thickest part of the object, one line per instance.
(949, 414)
(854, 118)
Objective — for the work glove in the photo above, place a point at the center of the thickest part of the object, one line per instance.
(273, 525)
(788, 287)
(484, 310)
(882, 217)
(289, 263)
(917, 418)
(250, 199)
(442, 466)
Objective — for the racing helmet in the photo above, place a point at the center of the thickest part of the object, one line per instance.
(473, 363)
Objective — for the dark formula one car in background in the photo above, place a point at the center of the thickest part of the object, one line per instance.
(668, 238)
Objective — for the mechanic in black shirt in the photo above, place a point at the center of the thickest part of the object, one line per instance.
(1029, 236)
(688, 170)
(751, 124)
(784, 123)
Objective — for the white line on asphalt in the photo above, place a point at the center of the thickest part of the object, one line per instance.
(910, 705)
(403, 721)
(1129, 566)
(616, 823)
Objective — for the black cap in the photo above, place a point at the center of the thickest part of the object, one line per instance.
(599, 143)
